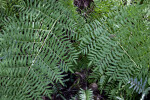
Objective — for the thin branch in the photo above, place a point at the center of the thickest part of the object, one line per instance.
(128, 54)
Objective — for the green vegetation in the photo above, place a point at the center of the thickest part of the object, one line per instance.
(49, 51)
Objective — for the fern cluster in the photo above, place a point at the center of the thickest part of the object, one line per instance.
(47, 38)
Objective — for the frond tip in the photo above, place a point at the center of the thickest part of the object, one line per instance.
(138, 86)
(86, 94)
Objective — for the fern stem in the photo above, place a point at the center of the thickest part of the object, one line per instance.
(128, 54)
(42, 46)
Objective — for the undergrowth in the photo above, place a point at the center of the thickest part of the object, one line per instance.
(53, 50)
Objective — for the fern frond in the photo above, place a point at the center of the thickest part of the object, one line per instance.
(86, 94)
(67, 21)
(36, 50)
(2, 4)
(138, 86)
(132, 32)
(146, 91)
(114, 50)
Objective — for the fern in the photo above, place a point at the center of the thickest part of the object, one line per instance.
(45, 40)
(2, 4)
(145, 93)
(86, 94)
(113, 53)
(138, 86)
(35, 50)
(103, 51)
(129, 29)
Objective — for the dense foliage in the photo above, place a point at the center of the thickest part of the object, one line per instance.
(50, 49)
